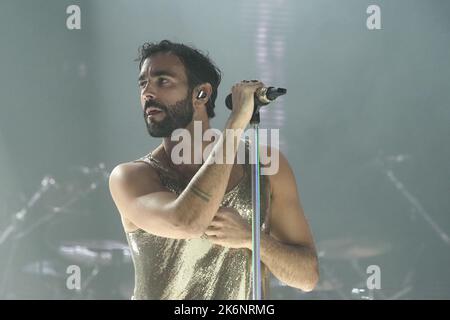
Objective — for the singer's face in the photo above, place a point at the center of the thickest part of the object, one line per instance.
(165, 96)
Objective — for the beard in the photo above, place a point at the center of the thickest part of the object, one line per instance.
(177, 116)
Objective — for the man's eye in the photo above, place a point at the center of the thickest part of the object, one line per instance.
(142, 83)
(163, 80)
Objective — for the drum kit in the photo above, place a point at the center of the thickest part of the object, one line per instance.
(345, 261)
(335, 256)
(35, 262)
(42, 243)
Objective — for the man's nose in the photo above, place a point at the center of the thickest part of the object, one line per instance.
(148, 93)
(148, 96)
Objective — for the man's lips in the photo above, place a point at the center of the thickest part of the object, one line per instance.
(150, 111)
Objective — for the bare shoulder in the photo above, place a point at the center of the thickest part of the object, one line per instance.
(136, 177)
(129, 181)
(287, 218)
(276, 167)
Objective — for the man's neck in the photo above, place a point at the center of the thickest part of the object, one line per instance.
(197, 146)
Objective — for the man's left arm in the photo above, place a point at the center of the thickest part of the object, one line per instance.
(289, 251)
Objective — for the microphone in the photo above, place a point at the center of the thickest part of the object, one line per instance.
(263, 96)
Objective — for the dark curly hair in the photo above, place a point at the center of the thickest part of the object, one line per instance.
(199, 67)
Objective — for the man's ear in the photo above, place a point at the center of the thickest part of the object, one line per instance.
(202, 93)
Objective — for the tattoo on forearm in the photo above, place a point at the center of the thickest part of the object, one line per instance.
(199, 193)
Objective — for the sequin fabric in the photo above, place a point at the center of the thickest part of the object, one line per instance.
(196, 269)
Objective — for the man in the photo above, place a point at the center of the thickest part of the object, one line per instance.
(189, 224)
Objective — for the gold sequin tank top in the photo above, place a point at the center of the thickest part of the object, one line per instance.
(196, 269)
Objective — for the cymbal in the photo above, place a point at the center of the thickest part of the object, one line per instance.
(327, 285)
(352, 248)
(323, 285)
(95, 252)
(98, 245)
(46, 268)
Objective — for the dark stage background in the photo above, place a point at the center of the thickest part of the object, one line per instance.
(365, 126)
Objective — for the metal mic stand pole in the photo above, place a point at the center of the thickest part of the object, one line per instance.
(256, 258)
(263, 97)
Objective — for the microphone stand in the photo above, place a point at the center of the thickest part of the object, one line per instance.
(263, 96)
(266, 95)
(256, 203)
